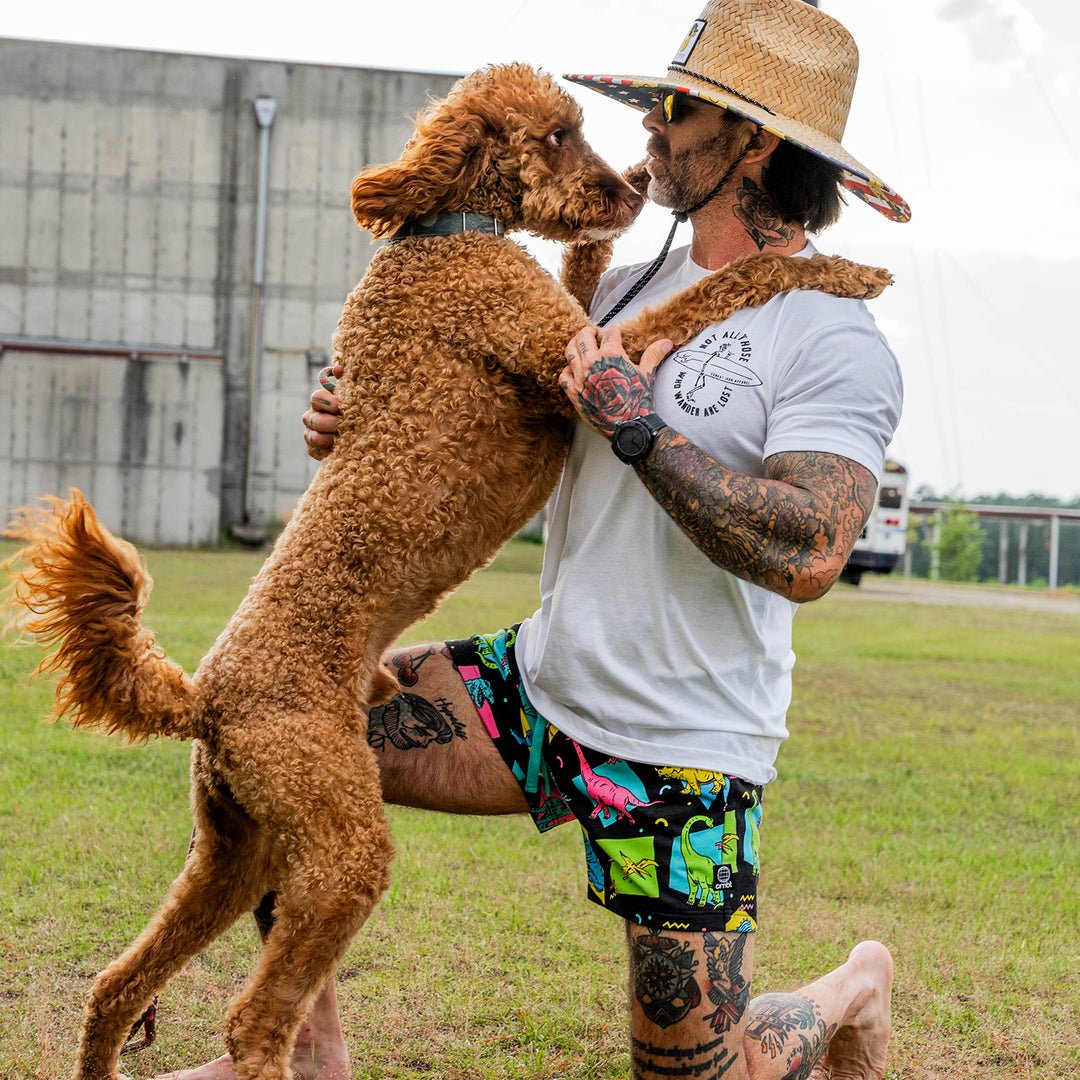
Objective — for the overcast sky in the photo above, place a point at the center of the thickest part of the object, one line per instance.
(967, 108)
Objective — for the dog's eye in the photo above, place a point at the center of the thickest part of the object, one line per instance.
(556, 137)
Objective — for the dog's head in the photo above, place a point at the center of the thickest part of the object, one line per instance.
(506, 142)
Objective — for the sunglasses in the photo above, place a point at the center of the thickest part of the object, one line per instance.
(672, 105)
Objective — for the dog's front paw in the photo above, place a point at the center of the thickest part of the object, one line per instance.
(383, 688)
(637, 176)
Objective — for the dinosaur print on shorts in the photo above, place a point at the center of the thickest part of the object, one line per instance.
(667, 846)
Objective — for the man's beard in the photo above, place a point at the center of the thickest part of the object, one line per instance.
(690, 175)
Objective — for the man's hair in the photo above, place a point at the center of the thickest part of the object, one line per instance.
(803, 187)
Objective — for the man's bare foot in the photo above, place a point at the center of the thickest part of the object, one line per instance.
(308, 1064)
(859, 1048)
(320, 1052)
(219, 1069)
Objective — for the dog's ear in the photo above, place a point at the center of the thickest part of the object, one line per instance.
(445, 159)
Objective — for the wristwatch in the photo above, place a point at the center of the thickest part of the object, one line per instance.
(633, 439)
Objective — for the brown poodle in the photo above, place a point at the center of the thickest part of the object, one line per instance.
(453, 435)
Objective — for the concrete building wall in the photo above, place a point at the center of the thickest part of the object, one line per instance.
(140, 436)
(128, 311)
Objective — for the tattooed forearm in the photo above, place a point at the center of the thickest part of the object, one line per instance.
(790, 532)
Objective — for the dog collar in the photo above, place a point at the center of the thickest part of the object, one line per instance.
(448, 225)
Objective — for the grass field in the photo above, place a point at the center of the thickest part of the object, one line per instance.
(928, 797)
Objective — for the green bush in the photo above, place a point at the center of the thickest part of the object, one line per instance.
(959, 543)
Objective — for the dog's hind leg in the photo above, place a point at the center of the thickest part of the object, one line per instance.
(224, 876)
(334, 844)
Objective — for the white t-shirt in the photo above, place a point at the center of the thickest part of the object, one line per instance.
(642, 647)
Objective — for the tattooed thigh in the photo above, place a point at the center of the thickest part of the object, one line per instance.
(689, 996)
(412, 721)
(431, 745)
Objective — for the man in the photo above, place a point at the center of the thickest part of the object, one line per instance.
(646, 698)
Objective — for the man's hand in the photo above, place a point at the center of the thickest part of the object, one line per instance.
(601, 382)
(322, 420)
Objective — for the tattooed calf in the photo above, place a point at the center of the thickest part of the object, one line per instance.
(727, 989)
(776, 1016)
(660, 1061)
(663, 978)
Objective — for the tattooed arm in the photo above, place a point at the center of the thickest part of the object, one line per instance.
(790, 531)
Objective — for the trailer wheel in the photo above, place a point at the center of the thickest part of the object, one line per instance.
(851, 574)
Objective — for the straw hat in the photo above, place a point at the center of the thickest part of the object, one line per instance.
(780, 63)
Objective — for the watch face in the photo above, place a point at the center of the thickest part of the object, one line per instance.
(632, 440)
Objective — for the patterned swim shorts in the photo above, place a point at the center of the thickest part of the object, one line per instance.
(665, 846)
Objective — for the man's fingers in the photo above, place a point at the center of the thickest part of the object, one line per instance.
(325, 402)
(583, 346)
(321, 421)
(568, 381)
(318, 445)
(611, 341)
(654, 355)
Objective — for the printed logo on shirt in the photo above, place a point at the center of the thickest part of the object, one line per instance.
(712, 371)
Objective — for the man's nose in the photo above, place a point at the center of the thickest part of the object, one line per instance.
(653, 120)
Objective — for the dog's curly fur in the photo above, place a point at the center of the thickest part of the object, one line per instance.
(453, 435)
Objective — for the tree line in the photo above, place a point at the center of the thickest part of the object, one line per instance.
(968, 547)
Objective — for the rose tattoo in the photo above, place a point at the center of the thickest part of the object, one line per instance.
(613, 390)
(760, 217)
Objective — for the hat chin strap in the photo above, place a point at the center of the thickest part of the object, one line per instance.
(680, 216)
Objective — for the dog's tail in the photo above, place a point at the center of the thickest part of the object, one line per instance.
(83, 589)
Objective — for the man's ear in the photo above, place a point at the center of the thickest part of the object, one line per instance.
(765, 142)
